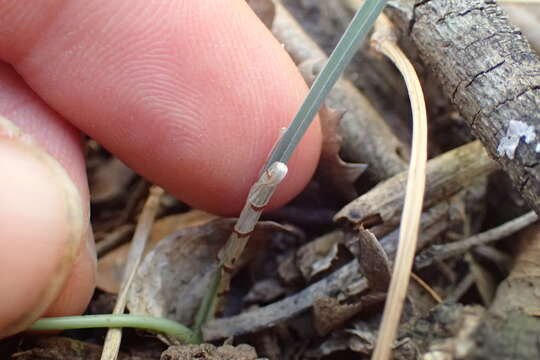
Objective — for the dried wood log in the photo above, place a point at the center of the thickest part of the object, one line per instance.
(490, 73)
(366, 137)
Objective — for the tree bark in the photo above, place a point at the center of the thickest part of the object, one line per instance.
(490, 73)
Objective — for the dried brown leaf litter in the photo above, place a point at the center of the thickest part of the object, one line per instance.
(334, 173)
(111, 266)
(175, 275)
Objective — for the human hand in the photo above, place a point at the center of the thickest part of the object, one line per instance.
(190, 94)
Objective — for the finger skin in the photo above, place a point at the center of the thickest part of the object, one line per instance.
(41, 251)
(192, 94)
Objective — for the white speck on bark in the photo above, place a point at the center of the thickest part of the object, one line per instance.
(516, 131)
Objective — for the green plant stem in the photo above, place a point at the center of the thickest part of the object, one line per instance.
(208, 304)
(145, 322)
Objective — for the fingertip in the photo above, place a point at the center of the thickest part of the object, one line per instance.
(191, 94)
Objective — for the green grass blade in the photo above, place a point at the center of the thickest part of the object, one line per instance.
(346, 48)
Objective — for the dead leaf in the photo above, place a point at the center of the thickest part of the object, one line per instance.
(209, 352)
(360, 339)
(175, 275)
(333, 172)
(372, 258)
(318, 255)
(265, 10)
(329, 314)
(111, 266)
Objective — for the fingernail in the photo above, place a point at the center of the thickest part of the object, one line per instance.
(42, 223)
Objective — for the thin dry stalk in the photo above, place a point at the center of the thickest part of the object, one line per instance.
(136, 250)
(426, 287)
(384, 39)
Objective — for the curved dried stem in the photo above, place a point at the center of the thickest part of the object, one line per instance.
(427, 288)
(384, 40)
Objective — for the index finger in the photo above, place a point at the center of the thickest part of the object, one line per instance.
(191, 94)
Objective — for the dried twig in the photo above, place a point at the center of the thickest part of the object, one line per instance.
(526, 15)
(114, 335)
(447, 174)
(438, 253)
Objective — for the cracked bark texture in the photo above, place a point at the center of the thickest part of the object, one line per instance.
(488, 70)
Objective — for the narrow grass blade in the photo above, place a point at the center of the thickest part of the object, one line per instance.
(340, 57)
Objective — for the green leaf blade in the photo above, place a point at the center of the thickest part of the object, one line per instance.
(344, 51)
